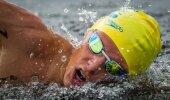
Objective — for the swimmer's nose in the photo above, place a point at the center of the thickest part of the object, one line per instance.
(93, 67)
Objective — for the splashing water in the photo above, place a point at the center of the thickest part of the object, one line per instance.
(87, 16)
(127, 5)
(74, 41)
(153, 84)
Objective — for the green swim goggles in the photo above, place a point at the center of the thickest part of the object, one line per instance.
(111, 66)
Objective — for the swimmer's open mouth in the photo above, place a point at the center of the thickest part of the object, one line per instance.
(79, 75)
(78, 78)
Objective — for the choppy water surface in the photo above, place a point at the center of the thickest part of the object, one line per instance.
(71, 19)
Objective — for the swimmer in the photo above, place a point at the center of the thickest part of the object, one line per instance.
(123, 43)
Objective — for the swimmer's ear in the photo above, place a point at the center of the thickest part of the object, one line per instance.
(4, 33)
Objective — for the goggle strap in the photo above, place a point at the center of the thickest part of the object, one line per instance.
(105, 55)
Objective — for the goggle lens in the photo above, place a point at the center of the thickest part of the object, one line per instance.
(112, 67)
(96, 46)
(95, 43)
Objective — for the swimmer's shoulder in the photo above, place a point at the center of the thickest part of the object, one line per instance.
(25, 31)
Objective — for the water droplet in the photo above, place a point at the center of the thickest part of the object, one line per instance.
(22, 18)
(60, 51)
(56, 64)
(99, 68)
(42, 64)
(20, 33)
(33, 42)
(87, 16)
(64, 28)
(36, 13)
(81, 19)
(162, 91)
(122, 48)
(51, 60)
(40, 69)
(59, 41)
(34, 80)
(168, 11)
(36, 63)
(40, 40)
(127, 50)
(127, 4)
(149, 5)
(161, 61)
(6, 81)
(66, 10)
(121, 59)
(140, 6)
(105, 74)
(63, 58)
(43, 77)
(31, 55)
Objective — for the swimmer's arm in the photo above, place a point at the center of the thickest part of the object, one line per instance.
(20, 26)
(14, 17)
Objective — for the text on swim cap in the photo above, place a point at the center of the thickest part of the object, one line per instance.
(114, 25)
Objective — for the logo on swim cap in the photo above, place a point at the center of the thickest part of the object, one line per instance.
(113, 15)
(114, 25)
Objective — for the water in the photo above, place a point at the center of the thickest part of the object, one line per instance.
(75, 17)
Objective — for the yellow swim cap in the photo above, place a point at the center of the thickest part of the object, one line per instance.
(136, 35)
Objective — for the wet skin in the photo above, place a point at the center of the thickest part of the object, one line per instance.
(28, 49)
(85, 66)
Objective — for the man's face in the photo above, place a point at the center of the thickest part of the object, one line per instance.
(85, 66)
